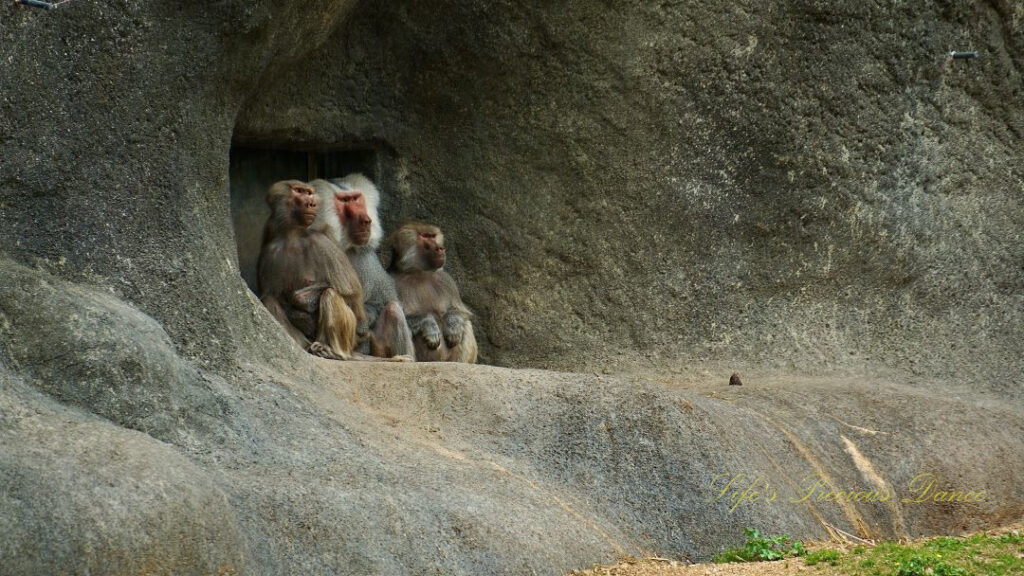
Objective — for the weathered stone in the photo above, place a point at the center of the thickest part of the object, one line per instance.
(803, 186)
(79, 495)
(663, 193)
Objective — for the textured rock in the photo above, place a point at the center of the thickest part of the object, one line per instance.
(321, 467)
(671, 192)
(81, 496)
(115, 123)
(804, 186)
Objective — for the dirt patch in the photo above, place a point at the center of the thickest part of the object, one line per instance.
(672, 568)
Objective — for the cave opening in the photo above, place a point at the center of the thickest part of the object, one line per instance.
(254, 168)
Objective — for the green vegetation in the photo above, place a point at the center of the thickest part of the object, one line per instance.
(759, 548)
(978, 555)
(828, 556)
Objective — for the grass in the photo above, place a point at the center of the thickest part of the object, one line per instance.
(761, 548)
(981, 555)
(828, 556)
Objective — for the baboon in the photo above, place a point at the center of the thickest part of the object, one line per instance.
(304, 278)
(440, 322)
(349, 208)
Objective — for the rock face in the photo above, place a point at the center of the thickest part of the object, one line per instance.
(650, 190)
(807, 186)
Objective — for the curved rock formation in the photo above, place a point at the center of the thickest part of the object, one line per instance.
(648, 196)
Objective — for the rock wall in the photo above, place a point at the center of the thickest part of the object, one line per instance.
(119, 456)
(115, 127)
(657, 189)
(798, 185)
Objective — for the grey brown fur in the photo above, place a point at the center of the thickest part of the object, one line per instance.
(382, 334)
(305, 280)
(441, 323)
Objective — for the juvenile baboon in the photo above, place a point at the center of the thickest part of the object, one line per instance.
(304, 278)
(441, 323)
(349, 208)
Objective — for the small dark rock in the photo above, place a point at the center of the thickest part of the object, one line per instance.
(734, 380)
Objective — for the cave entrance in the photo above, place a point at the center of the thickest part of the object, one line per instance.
(253, 170)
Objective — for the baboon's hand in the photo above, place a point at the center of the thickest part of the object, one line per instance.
(454, 327)
(308, 299)
(321, 350)
(431, 336)
(425, 327)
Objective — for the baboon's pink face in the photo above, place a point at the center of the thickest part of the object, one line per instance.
(351, 208)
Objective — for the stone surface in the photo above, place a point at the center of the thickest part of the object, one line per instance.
(79, 495)
(319, 467)
(652, 195)
(803, 185)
